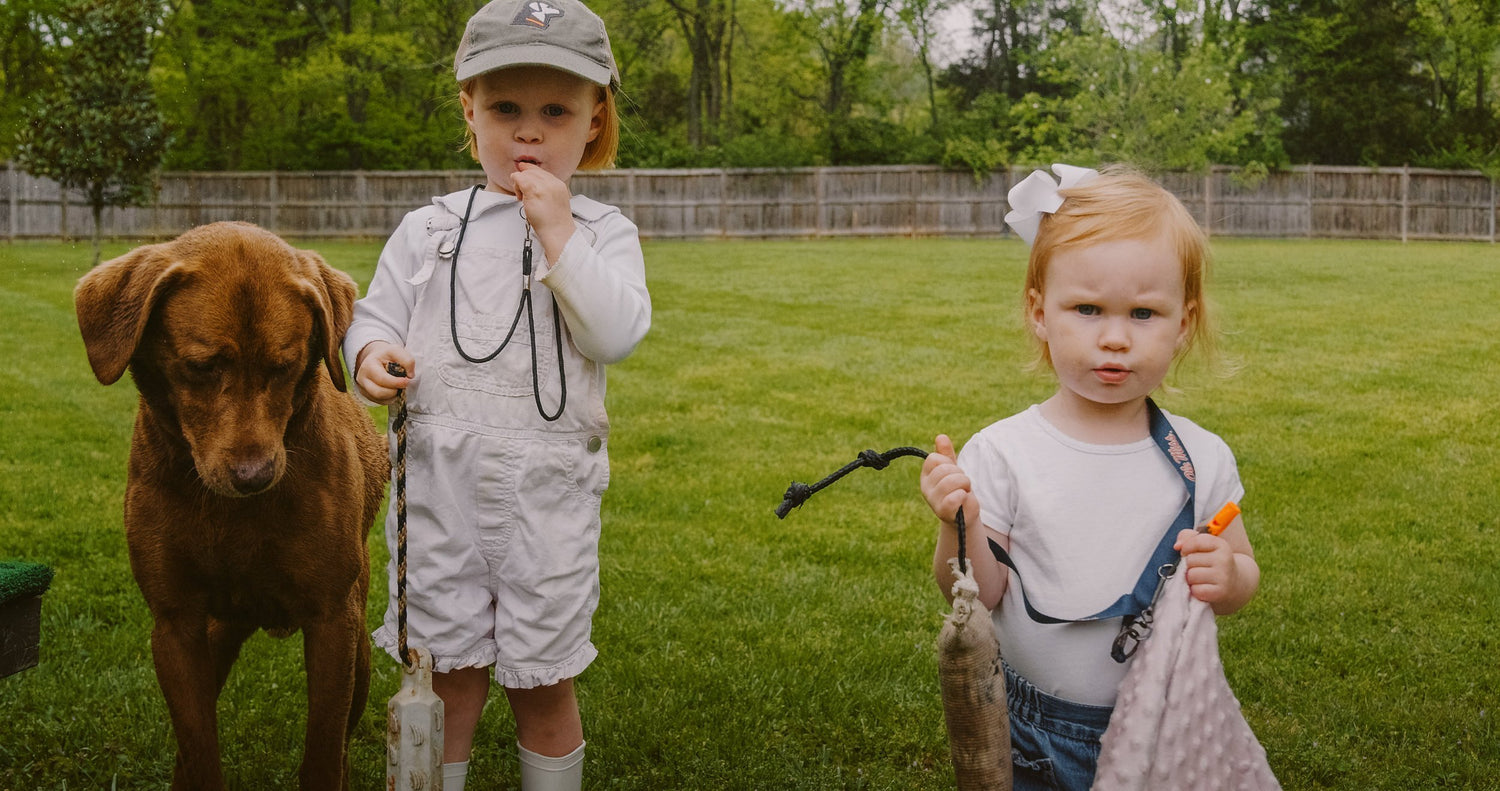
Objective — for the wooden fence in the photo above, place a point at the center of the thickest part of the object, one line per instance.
(1307, 201)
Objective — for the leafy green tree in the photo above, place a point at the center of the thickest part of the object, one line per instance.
(1345, 74)
(1014, 37)
(1156, 108)
(708, 29)
(25, 62)
(919, 18)
(842, 36)
(1459, 47)
(98, 129)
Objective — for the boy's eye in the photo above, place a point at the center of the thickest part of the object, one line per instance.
(1141, 314)
(1087, 310)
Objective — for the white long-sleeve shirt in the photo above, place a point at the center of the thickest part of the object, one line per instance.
(598, 283)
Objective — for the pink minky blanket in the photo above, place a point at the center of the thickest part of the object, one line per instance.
(1176, 723)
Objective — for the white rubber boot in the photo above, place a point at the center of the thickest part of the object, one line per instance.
(454, 776)
(541, 773)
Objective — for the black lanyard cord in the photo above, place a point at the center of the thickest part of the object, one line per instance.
(525, 305)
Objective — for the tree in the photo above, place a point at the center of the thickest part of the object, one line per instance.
(1146, 105)
(99, 130)
(919, 18)
(1459, 41)
(25, 62)
(1014, 38)
(843, 34)
(1345, 73)
(707, 26)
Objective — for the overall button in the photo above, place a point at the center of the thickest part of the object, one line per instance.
(595, 444)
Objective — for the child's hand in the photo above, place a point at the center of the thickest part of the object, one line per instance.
(378, 384)
(1210, 565)
(946, 487)
(546, 200)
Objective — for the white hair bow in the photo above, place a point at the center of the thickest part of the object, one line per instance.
(1037, 195)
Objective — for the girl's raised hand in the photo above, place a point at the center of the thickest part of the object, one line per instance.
(945, 487)
(546, 200)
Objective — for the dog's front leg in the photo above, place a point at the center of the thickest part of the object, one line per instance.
(185, 671)
(330, 651)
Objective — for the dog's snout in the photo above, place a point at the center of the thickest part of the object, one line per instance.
(254, 475)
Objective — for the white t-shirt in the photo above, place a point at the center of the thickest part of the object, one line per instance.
(1083, 520)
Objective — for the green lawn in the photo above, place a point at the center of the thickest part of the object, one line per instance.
(742, 652)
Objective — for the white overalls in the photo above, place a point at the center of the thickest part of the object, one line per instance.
(502, 505)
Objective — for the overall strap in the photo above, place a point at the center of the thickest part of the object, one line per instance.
(1140, 597)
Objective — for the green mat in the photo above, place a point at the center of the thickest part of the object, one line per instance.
(19, 579)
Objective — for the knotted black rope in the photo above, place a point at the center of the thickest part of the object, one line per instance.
(799, 493)
(398, 425)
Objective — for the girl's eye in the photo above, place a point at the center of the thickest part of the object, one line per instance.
(506, 108)
(1087, 310)
(1141, 314)
(554, 110)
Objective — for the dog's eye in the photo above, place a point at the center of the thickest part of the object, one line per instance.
(202, 369)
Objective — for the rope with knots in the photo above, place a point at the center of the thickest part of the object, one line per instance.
(398, 425)
(799, 493)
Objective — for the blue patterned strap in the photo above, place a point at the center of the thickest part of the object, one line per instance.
(1140, 597)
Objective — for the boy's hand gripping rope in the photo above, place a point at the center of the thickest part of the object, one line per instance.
(414, 715)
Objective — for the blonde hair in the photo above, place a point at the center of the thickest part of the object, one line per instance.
(598, 154)
(1123, 204)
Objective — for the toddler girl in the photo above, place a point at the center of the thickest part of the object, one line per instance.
(503, 303)
(1070, 499)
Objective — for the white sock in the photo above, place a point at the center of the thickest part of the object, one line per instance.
(454, 776)
(542, 773)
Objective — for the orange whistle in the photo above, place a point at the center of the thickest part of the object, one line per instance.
(1221, 520)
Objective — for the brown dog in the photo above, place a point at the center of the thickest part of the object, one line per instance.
(253, 479)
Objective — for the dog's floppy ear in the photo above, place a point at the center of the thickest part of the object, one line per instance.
(335, 307)
(114, 301)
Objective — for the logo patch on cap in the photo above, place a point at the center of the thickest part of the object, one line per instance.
(537, 15)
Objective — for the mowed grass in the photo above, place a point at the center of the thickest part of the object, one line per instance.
(738, 651)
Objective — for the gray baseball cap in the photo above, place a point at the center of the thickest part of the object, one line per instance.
(562, 34)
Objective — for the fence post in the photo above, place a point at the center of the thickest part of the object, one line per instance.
(15, 199)
(1312, 183)
(630, 191)
(723, 203)
(62, 193)
(818, 202)
(914, 195)
(1208, 202)
(273, 220)
(362, 189)
(1405, 203)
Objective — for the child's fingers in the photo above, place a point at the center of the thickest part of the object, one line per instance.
(943, 446)
(1186, 544)
(406, 366)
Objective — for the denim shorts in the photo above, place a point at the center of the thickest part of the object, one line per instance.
(1054, 743)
